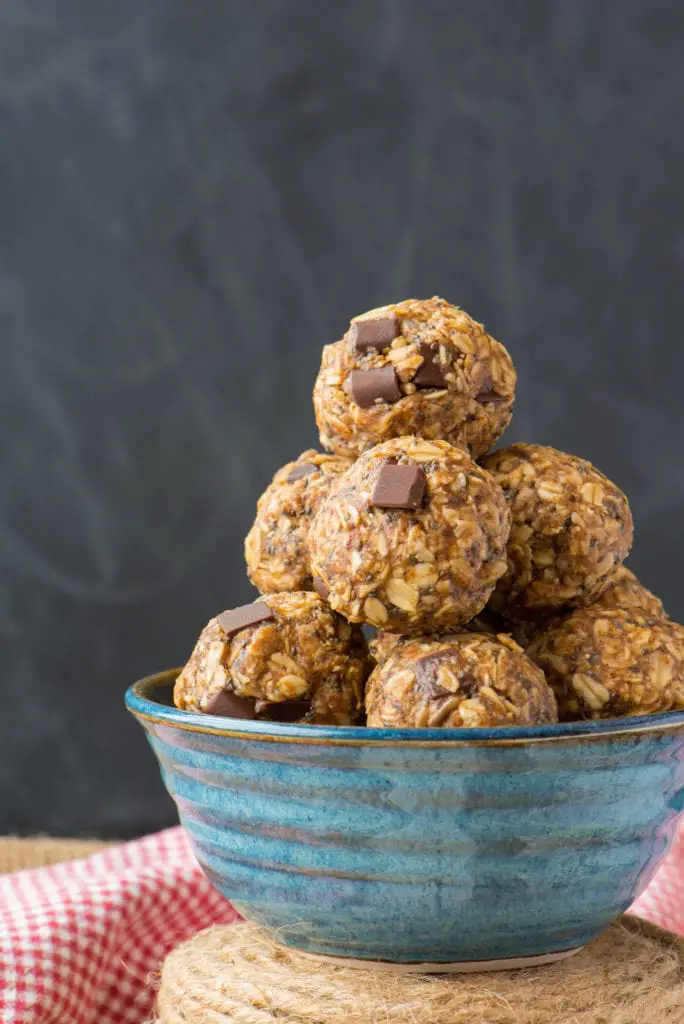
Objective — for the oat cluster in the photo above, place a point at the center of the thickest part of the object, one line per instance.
(494, 583)
(571, 529)
(609, 662)
(276, 547)
(412, 571)
(306, 664)
(470, 410)
(462, 680)
(625, 591)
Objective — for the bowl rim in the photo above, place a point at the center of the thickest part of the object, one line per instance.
(141, 703)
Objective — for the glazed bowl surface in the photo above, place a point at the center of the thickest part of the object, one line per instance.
(426, 846)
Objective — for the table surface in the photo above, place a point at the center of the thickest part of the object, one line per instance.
(19, 854)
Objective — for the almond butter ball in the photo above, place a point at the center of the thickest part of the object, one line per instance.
(609, 662)
(383, 643)
(469, 680)
(412, 539)
(276, 548)
(419, 367)
(625, 591)
(286, 658)
(571, 529)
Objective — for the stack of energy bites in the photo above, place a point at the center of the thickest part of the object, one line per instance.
(494, 582)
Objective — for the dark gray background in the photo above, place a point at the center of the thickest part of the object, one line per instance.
(194, 197)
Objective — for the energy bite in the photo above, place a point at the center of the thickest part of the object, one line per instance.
(607, 663)
(466, 680)
(286, 658)
(625, 591)
(413, 538)
(487, 622)
(421, 368)
(384, 644)
(571, 528)
(275, 548)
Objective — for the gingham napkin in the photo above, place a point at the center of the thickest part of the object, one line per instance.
(81, 943)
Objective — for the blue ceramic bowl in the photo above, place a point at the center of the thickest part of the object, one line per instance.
(435, 846)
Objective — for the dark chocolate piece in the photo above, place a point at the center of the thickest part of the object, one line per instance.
(286, 710)
(378, 333)
(236, 619)
(303, 469)
(490, 396)
(229, 705)
(426, 672)
(430, 373)
(426, 676)
(399, 487)
(320, 588)
(371, 386)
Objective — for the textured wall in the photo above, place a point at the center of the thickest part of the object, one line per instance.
(193, 199)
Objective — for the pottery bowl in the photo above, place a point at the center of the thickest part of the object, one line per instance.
(432, 846)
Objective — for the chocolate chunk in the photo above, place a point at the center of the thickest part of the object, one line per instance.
(246, 615)
(490, 396)
(371, 386)
(426, 672)
(303, 469)
(229, 705)
(431, 687)
(399, 487)
(377, 333)
(286, 710)
(430, 374)
(320, 588)
(426, 676)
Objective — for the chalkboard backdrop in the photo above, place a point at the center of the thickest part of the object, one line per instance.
(194, 198)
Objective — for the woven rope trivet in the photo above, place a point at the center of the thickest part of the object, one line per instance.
(20, 854)
(633, 974)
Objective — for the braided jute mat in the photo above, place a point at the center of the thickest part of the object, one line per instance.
(20, 854)
(633, 974)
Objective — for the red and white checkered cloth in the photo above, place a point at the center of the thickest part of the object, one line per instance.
(80, 943)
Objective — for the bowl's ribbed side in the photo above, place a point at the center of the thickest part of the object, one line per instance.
(417, 853)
